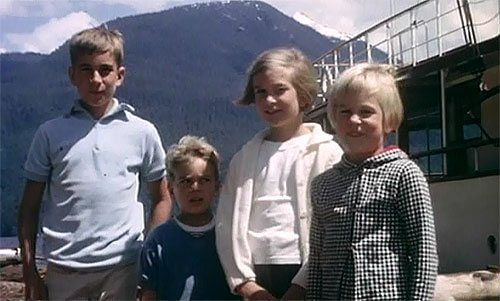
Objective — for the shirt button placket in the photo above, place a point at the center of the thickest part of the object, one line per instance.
(96, 142)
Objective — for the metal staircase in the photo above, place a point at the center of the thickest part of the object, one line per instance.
(418, 33)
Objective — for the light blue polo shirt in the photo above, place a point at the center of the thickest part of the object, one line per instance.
(92, 217)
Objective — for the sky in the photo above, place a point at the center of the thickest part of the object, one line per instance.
(43, 25)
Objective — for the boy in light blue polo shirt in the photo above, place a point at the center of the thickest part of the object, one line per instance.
(89, 162)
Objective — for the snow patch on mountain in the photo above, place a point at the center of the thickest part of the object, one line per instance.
(303, 19)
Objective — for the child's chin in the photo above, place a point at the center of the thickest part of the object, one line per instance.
(197, 210)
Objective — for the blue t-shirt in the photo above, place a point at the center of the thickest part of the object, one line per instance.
(180, 262)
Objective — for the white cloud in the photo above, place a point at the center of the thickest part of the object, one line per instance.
(3, 50)
(142, 6)
(49, 36)
(9, 8)
(24, 8)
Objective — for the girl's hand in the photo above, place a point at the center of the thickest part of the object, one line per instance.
(295, 292)
(250, 290)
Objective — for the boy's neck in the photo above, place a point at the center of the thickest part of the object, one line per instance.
(97, 112)
(195, 220)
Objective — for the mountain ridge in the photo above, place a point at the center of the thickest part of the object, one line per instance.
(185, 67)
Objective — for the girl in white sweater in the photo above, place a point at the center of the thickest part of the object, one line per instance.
(264, 212)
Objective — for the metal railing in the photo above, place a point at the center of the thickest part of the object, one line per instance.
(411, 36)
(474, 169)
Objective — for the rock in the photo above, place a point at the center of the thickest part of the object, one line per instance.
(11, 283)
(10, 290)
(477, 285)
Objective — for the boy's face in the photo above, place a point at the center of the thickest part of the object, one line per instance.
(359, 123)
(96, 77)
(194, 187)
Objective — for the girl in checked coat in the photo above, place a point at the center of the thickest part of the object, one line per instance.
(372, 233)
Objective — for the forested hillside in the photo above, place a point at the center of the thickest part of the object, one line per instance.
(185, 66)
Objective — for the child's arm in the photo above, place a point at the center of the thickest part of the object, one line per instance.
(148, 295)
(153, 172)
(417, 217)
(295, 292)
(27, 230)
(233, 250)
(250, 290)
(161, 204)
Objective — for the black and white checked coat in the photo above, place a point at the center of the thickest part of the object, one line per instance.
(372, 233)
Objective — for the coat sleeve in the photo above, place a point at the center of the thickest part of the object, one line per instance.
(414, 204)
(232, 244)
(314, 275)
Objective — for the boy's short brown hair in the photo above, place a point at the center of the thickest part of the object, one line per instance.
(98, 39)
(377, 80)
(189, 147)
(302, 75)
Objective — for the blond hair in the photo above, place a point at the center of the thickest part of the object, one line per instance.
(96, 40)
(376, 80)
(187, 148)
(302, 75)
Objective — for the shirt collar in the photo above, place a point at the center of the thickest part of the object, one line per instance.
(115, 108)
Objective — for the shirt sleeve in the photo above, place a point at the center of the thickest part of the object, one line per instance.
(153, 166)
(415, 207)
(38, 164)
(150, 262)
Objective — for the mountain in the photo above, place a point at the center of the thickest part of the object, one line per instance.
(184, 65)
(331, 33)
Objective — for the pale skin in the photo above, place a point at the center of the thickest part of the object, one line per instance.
(161, 203)
(277, 103)
(27, 230)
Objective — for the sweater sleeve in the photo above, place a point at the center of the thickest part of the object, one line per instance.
(336, 153)
(331, 153)
(415, 208)
(233, 249)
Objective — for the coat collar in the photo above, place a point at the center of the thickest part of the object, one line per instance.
(389, 154)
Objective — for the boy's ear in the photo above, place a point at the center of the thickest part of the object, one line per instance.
(170, 188)
(71, 73)
(121, 75)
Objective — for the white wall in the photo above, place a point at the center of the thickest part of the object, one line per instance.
(466, 212)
